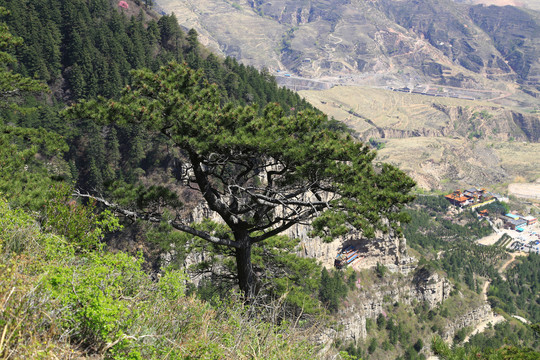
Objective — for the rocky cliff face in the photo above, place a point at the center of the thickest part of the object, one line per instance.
(370, 301)
(471, 318)
(384, 248)
(495, 123)
(438, 41)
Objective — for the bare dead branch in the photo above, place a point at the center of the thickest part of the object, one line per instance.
(156, 218)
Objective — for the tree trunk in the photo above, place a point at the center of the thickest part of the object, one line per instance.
(246, 276)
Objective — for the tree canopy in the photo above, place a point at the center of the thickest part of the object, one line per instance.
(23, 178)
(262, 174)
(12, 85)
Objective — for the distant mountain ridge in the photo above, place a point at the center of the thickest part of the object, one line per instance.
(381, 42)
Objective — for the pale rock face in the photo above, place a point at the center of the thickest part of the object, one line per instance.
(369, 302)
(354, 327)
(471, 318)
(386, 249)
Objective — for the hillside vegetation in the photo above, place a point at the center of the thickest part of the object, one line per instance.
(164, 280)
(63, 299)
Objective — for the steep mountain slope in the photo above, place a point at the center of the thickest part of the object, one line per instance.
(391, 42)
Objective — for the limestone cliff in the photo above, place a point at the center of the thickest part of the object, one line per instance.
(471, 318)
(371, 300)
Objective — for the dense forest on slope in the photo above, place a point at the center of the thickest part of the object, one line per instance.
(86, 49)
(433, 229)
(445, 239)
(65, 295)
(518, 292)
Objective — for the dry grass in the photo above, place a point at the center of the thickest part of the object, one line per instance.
(521, 159)
(385, 108)
(436, 162)
(527, 191)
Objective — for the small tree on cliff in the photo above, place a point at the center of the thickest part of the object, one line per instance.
(261, 173)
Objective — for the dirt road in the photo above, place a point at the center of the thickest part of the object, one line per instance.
(494, 319)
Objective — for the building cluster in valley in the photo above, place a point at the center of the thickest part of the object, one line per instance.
(513, 222)
(473, 198)
(518, 222)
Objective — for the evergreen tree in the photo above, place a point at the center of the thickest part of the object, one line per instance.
(23, 179)
(261, 174)
(12, 86)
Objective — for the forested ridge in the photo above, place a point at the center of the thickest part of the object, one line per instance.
(445, 240)
(122, 148)
(83, 49)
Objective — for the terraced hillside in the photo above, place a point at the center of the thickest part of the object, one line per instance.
(453, 51)
(442, 142)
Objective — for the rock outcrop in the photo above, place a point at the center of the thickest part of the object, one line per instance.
(370, 301)
(471, 318)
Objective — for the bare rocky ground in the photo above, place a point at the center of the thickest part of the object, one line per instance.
(528, 4)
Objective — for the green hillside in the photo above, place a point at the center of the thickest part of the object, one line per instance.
(145, 186)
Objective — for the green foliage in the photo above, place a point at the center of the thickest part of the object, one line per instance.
(443, 351)
(496, 207)
(381, 322)
(518, 293)
(80, 224)
(24, 175)
(12, 85)
(332, 290)
(418, 345)
(461, 334)
(352, 352)
(104, 305)
(284, 273)
(352, 277)
(24, 178)
(372, 345)
(153, 198)
(17, 227)
(93, 294)
(512, 333)
(380, 270)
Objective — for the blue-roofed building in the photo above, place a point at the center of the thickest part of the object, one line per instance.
(513, 216)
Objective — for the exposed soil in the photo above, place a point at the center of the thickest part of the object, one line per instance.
(529, 191)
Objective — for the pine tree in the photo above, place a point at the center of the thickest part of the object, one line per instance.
(301, 162)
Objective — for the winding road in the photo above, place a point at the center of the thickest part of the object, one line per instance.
(494, 319)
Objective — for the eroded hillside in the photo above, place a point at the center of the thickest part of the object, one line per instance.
(441, 142)
(378, 42)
